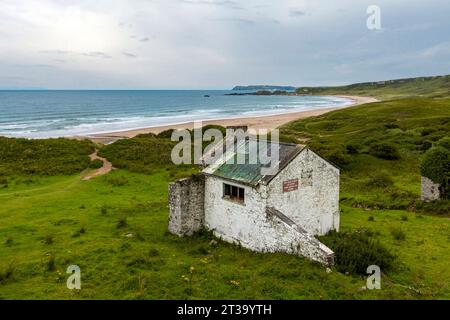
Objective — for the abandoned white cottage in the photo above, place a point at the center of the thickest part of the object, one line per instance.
(281, 212)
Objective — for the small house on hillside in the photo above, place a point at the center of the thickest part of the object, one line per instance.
(280, 212)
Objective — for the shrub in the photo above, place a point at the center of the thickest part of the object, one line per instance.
(167, 134)
(96, 164)
(44, 156)
(336, 156)
(3, 182)
(7, 273)
(355, 251)
(444, 143)
(426, 145)
(48, 239)
(436, 166)
(50, 265)
(104, 210)
(380, 180)
(122, 223)
(352, 148)
(9, 241)
(153, 252)
(398, 234)
(391, 125)
(80, 231)
(385, 151)
(427, 131)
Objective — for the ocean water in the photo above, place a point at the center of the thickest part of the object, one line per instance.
(44, 114)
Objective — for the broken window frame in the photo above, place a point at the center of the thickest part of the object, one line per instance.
(233, 193)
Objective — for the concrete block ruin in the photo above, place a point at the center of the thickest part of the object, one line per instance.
(186, 205)
(430, 190)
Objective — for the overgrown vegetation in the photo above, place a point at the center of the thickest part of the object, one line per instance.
(43, 157)
(379, 148)
(355, 251)
(436, 166)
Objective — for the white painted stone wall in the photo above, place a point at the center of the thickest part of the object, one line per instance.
(314, 206)
(313, 210)
(233, 221)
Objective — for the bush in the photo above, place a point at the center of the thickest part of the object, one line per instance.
(352, 148)
(144, 155)
(398, 234)
(44, 156)
(122, 223)
(436, 166)
(48, 239)
(355, 251)
(444, 143)
(426, 145)
(167, 134)
(385, 151)
(336, 156)
(96, 164)
(7, 273)
(50, 265)
(380, 180)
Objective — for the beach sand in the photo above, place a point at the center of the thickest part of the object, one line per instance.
(259, 122)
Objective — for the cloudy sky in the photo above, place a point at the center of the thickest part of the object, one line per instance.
(188, 44)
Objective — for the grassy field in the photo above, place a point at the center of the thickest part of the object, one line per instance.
(114, 226)
(429, 87)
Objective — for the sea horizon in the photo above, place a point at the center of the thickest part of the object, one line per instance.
(65, 113)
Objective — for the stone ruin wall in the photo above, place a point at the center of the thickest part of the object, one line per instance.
(186, 206)
(430, 190)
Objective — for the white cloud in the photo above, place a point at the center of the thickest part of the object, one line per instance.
(207, 43)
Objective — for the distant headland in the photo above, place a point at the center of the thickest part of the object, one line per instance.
(263, 87)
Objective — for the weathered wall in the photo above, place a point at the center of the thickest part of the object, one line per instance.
(186, 206)
(296, 240)
(233, 221)
(315, 204)
(430, 190)
(249, 225)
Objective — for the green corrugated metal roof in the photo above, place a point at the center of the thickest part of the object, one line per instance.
(248, 172)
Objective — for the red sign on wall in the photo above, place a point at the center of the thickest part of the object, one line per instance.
(290, 185)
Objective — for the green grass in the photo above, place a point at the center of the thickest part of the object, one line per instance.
(427, 87)
(369, 180)
(43, 157)
(115, 226)
(153, 264)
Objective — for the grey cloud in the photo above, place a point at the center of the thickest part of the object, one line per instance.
(238, 20)
(297, 13)
(56, 52)
(97, 54)
(212, 2)
(129, 55)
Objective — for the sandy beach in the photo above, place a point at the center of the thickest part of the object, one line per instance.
(268, 122)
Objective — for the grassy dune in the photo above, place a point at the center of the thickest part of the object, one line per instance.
(429, 87)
